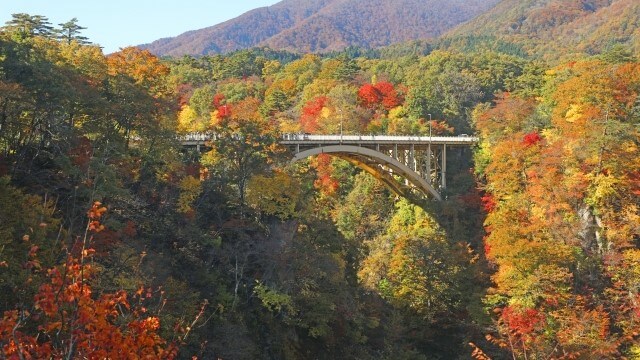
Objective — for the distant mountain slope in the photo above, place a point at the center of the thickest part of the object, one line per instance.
(555, 29)
(326, 25)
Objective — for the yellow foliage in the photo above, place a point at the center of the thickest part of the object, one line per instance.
(215, 120)
(186, 120)
(397, 113)
(602, 187)
(277, 195)
(271, 67)
(574, 113)
(289, 126)
(190, 189)
(630, 147)
(210, 158)
(325, 112)
(551, 135)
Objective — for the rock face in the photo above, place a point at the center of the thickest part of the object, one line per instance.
(326, 25)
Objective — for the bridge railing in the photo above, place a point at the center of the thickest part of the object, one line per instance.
(378, 138)
(202, 137)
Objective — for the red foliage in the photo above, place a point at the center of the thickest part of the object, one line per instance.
(310, 112)
(390, 97)
(487, 246)
(67, 312)
(218, 100)
(488, 202)
(224, 111)
(382, 93)
(634, 180)
(522, 321)
(531, 138)
(81, 153)
(184, 92)
(441, 128)
(369, 95)
(314, 107)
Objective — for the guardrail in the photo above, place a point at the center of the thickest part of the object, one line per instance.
(202, 137)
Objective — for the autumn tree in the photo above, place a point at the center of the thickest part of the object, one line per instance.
(557, 188)
(67, 320)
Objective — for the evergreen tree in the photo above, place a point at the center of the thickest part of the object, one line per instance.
(70, 31)
(27, 26)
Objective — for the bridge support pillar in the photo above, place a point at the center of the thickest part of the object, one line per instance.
(412, 157)
(443, 167)
(428, 164)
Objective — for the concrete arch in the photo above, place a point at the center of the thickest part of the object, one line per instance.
(354, 154)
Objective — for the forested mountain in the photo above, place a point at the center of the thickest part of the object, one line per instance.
(553, 29)
(326, 25)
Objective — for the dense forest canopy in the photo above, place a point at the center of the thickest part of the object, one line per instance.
(555, 30)
(118, 243)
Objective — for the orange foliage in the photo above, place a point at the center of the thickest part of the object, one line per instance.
(440, 128)
(67, 321)
(567, 195)
(325, 182)
(142, 66)
(507, 115)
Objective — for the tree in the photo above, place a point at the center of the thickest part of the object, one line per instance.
(560, 175)
(244, 146)
(66, 321)
(27, 26)
(412, 266)
(139, 90)
(70, 31)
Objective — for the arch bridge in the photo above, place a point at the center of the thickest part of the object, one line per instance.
(404, 163)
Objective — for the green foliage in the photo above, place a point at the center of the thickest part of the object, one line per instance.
(27, 244)
(70, 31)
(412, 267)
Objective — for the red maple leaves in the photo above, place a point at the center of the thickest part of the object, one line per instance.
(381, 94)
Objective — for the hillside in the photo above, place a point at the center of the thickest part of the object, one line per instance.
(553, 29)
(325, 25)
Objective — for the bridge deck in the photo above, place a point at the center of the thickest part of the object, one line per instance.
(319, 140)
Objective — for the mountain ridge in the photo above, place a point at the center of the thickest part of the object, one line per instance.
(554, 29)
(324, 25)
